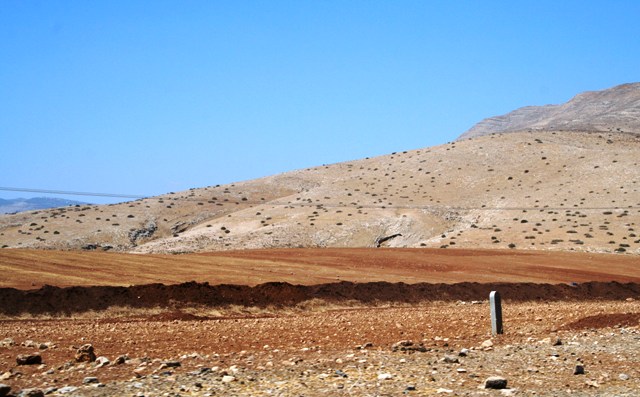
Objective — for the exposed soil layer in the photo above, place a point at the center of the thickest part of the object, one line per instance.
(68, 300)
(345, 352)
(30, 269)
(605, 320)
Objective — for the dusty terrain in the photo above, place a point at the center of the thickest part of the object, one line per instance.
(363, 278)
(337, 339)
(542, 191)
(337, 352)
(31, 269)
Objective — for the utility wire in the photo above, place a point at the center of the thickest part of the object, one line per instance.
(318, 204)
(45, 191)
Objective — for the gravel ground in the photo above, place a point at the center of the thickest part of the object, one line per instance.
(428, 349)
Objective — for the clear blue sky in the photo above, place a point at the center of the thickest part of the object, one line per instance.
(147, 97)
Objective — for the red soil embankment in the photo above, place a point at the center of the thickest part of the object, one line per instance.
(51, 299)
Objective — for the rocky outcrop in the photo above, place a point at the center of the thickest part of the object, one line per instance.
(613, 110)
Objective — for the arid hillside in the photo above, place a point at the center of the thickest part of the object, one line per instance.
(531, 190)
(613, 110)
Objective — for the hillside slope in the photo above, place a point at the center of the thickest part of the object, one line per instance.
(561, 190)
(613, 110)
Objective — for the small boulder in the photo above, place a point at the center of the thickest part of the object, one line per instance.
(120, 360)
(4, 389)
(65, 390)
(495, 382)
(31, 393)
(85, 354)
(29, 359)
(487, 343)
(228, 379)
(450, 359)
(579, 370)
(102, 361)
(89, 380)
(170, 364)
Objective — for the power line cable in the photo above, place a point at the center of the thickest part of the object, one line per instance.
(320, 205)
(70, 193)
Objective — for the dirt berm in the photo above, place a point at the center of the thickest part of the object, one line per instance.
(52, 300)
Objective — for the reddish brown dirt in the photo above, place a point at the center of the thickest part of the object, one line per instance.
(328, 340)
(55, 300)
(605, 320)
(29, 269)
(546, 296)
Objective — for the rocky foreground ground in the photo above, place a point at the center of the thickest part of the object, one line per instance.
(435, 348)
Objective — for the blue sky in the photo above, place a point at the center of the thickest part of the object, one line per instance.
(147, 97)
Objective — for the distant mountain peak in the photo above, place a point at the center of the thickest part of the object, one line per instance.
(36, 203)
(615, 109)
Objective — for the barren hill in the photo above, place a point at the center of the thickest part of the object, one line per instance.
(532, 190)
(613, 110)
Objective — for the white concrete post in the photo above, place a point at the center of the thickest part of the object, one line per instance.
(496, 313)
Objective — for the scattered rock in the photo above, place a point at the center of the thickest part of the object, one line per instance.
(579, 370)
(385, 376)
(450, 359)
(120, 360)
(4, 389)
(102, 361)
(592, 383)
(45, 345)
(495, 382)
(170, 364)
(29, 359)
(66, 390)
(89, 380)
(408, 346)
(7, 342)
(228, 379)
(31, 393)
(463, 353)
(623, 377)
(85, 354)
(487, 343)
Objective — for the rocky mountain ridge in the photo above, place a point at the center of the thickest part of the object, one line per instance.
(542, 190)
(613, 110)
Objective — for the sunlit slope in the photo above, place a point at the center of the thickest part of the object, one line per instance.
(544, 190)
